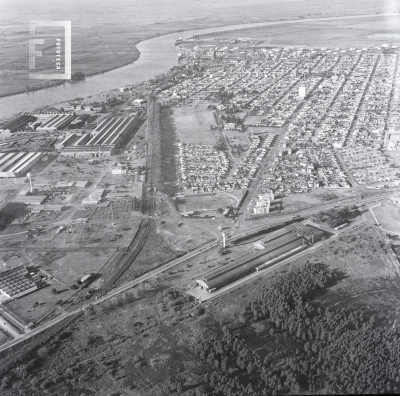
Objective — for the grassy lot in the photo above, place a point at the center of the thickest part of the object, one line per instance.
(185, 234)
(388, 216)
(252, 120)
(193, 124)
(198, 202)
(168, 152)
(76, 264)
(237, 141)
(318, 196)
(69, 169)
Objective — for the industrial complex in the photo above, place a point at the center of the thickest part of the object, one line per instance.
(102, 141)
(273, 248)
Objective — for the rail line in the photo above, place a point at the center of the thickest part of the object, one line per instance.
(127, 261)
(41, 338)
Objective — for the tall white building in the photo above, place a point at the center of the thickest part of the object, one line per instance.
(263, 203)
(302, 91)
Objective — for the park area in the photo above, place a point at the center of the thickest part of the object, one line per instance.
(193, 122)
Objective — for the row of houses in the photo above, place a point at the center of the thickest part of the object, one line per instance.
(201, 167)
(369, 127)
(393, 124)
(369, 166)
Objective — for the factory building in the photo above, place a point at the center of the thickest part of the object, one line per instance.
(273, 249)
(70, 139)
(102, 140)
(18, 123)
(16, 283)
(57, 122)
(309, 233)
(16, 164)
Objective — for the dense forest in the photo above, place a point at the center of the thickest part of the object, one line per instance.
(334, 350)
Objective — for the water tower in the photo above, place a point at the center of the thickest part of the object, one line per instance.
(29, 176)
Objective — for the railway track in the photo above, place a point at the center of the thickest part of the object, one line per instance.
(140, 239)
(40, 339)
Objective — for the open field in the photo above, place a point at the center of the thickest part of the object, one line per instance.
(77, 264)
(205, 202)
(306, 200)
(168, 176)
(388, 216)
(193, 124)
(70, 169)
(394, 157)
(3, 338)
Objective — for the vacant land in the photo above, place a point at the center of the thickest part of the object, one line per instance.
(36, 305)
(296, 202)
(388, 216)
(238, 142)
(168, 152)
(193, 124)
(210, 202)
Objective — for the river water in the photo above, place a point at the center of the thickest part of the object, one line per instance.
(157, 56)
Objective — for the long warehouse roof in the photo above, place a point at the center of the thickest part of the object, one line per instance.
(109, 130)
(14, 162)
(238, 272)
(271, 246)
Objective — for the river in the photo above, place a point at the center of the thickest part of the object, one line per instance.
(157, 56)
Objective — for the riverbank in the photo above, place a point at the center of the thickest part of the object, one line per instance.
(44, 84)
(157, 56)
(104, 47)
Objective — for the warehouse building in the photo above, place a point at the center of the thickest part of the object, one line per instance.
(31, 199)
(309, 233)
(17, 164)
(57, 122)
(102, 140)
(94, 197)
(274, 248)
(18, 123)
(16, 283)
